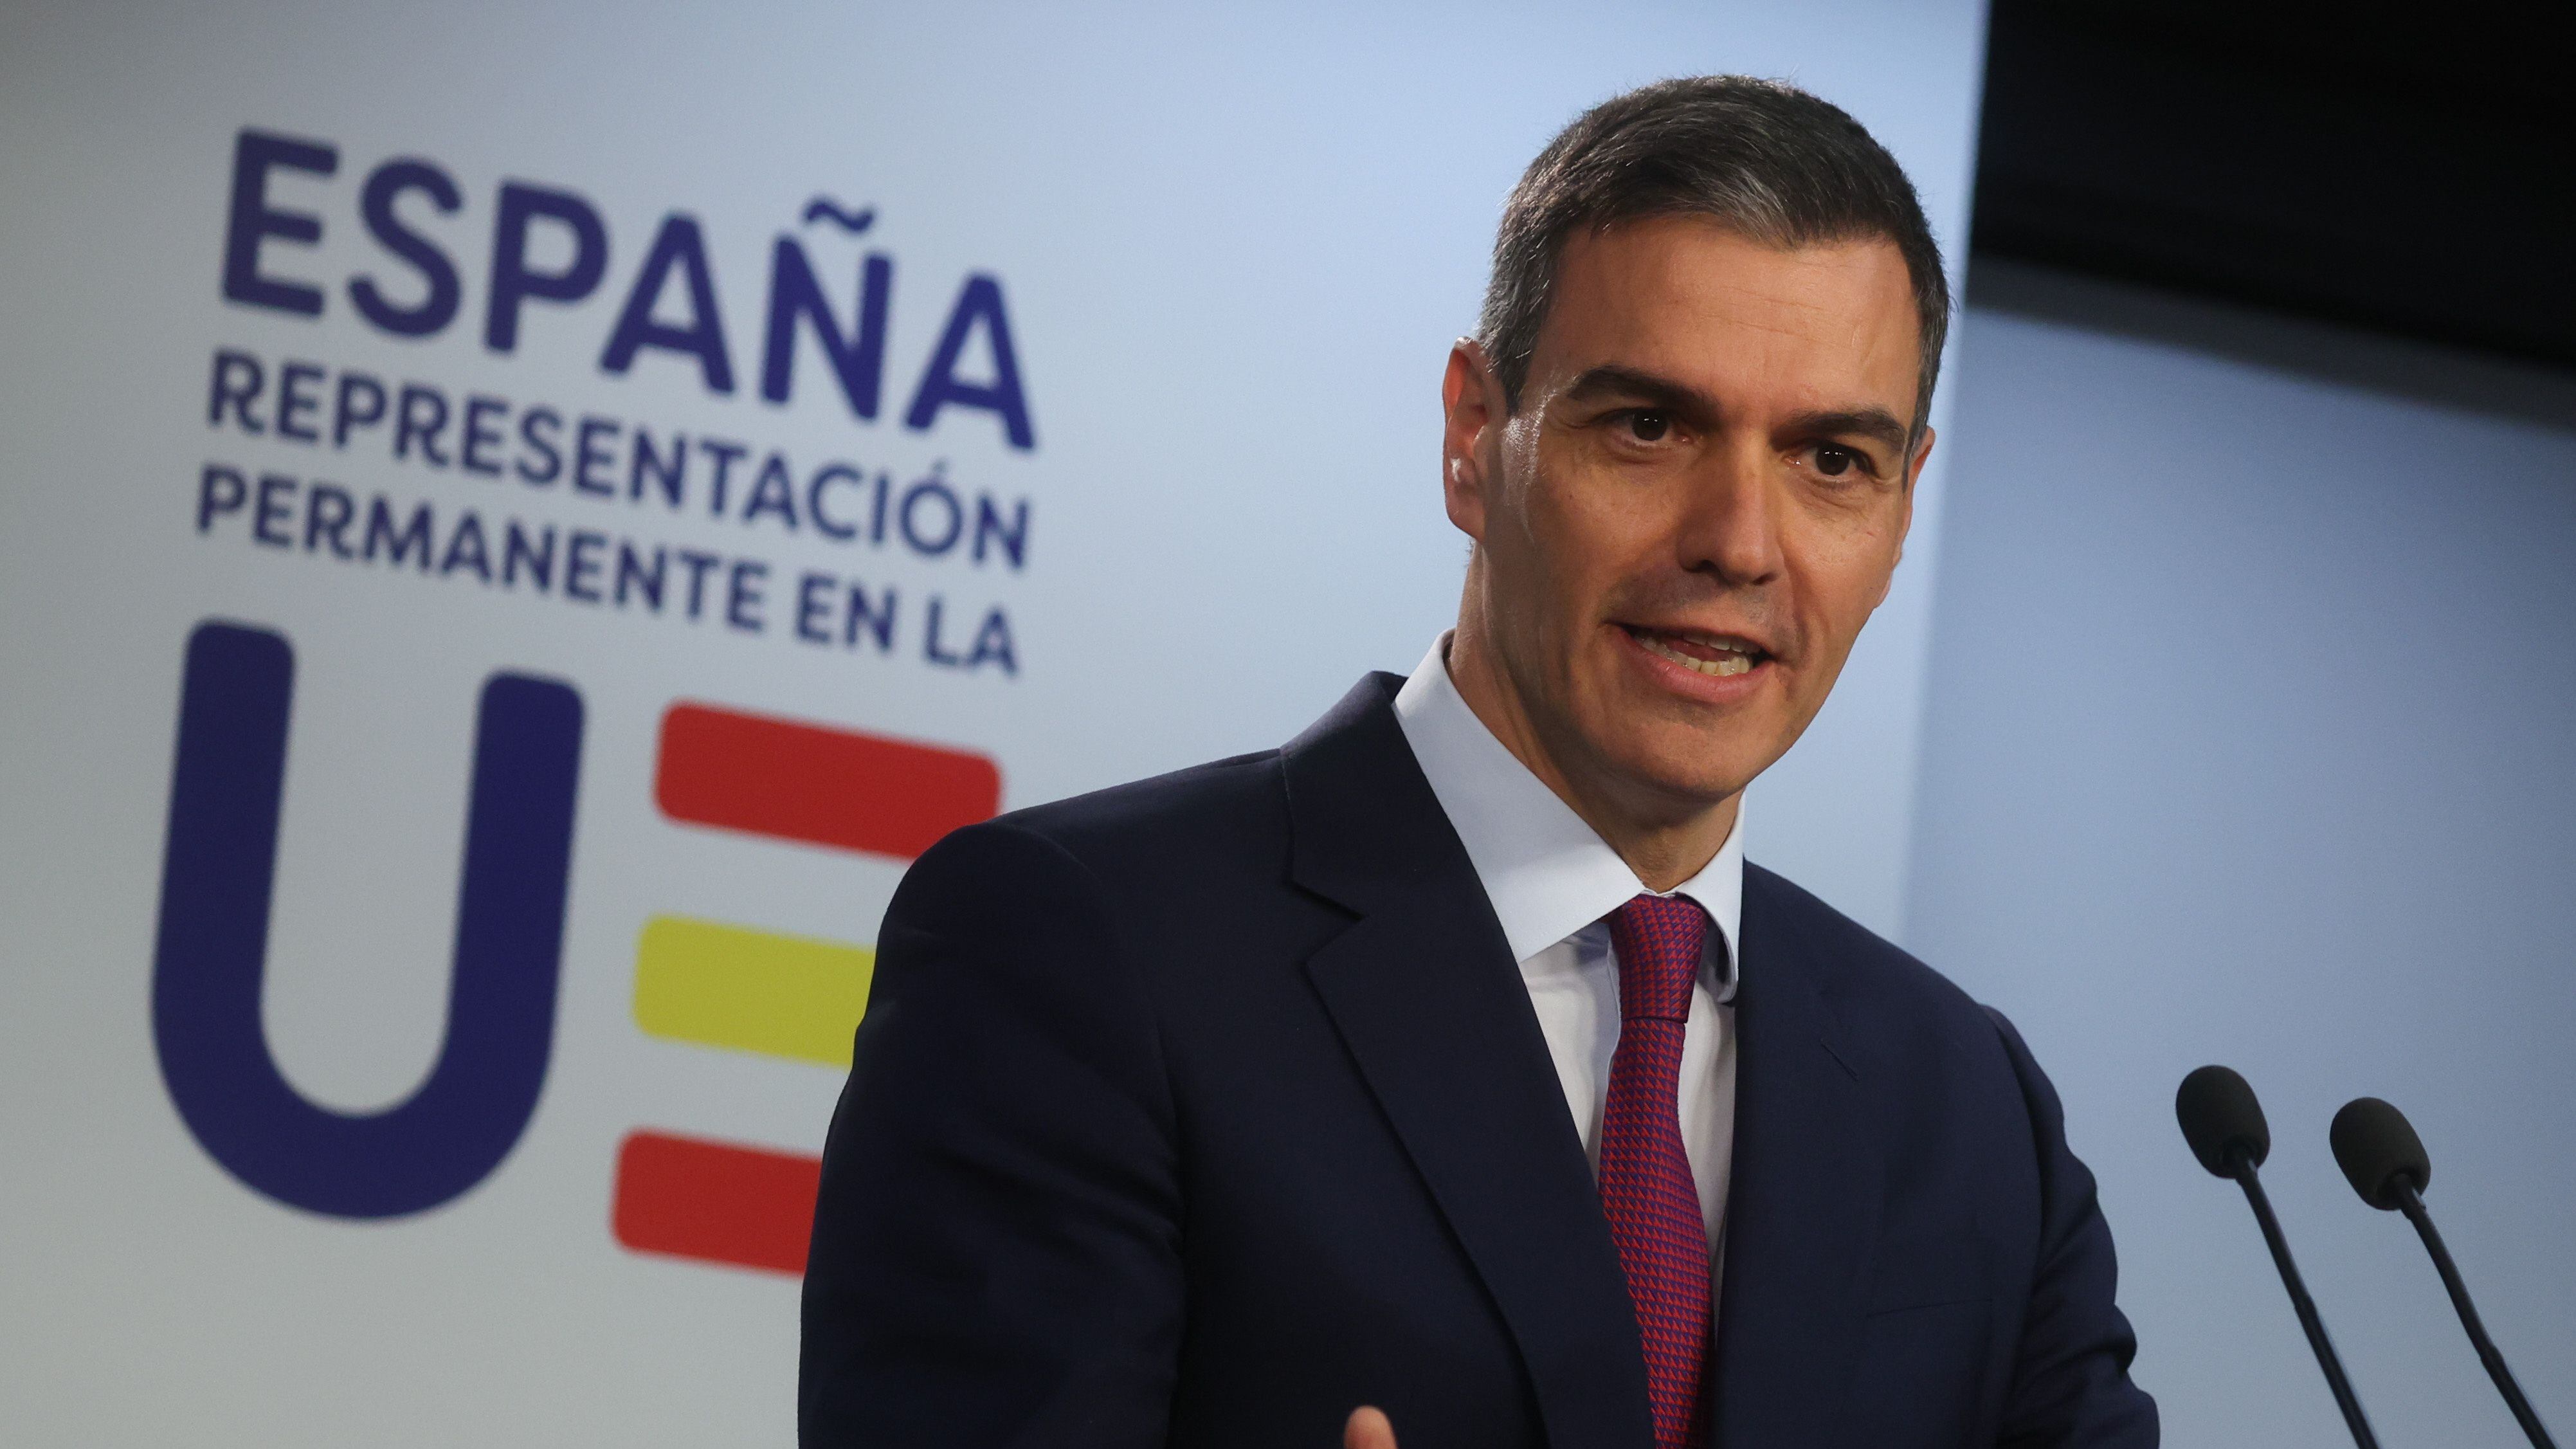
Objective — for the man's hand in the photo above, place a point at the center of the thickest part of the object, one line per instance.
(1368, 1429)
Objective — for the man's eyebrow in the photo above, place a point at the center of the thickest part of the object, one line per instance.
(1693, 406)
(1877, 424)
(1661, 393)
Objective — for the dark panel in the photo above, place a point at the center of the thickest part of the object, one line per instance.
(2415, 177)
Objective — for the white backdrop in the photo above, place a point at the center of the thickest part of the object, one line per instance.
(1230, 246)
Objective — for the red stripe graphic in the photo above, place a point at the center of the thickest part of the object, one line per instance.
(715, 1202)
(821, 786)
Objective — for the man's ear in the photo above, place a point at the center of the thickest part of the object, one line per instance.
(1905, 518)
(1914, 465)
(1471, 404)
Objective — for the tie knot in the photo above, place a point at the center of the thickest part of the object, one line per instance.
(1658, 940)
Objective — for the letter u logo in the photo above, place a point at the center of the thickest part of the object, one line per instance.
(212, 947)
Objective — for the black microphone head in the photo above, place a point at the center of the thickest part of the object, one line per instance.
(2376, 1147)
(2219, 1115)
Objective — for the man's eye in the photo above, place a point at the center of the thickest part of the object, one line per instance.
(1834, 462)
(1647, 426)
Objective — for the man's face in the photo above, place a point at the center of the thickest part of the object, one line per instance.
(1699, 502)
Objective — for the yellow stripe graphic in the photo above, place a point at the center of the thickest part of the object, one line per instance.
(725, 986)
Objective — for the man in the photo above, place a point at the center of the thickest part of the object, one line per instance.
(1450, 1061)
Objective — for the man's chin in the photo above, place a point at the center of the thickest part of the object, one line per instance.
(1688, 781)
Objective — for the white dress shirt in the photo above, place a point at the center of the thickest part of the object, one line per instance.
(1551, 880)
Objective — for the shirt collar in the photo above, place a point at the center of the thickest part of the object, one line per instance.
(1545, 871)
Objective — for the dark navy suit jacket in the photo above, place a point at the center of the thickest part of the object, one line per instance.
(1202, 1110)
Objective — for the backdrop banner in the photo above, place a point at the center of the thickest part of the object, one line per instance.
(519, 522)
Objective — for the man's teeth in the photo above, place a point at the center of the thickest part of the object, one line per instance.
(1732, 661)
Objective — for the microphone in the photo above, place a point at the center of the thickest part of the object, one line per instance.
(2224, 1125)
(2379, 1152)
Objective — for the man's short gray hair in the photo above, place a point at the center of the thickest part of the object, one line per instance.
(1762, 157)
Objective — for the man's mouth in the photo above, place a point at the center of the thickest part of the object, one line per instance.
(1719, 655)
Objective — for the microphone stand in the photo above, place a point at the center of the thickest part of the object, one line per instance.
(2411, 1203)
(2241, 1165)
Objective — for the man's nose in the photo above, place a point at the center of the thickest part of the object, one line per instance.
(1730, 526)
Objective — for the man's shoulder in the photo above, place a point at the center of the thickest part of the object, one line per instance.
(1218, 792)
(1230, 818)
(1169, 827)
(1863, 975)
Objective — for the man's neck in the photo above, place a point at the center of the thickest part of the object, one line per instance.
(1664, 841)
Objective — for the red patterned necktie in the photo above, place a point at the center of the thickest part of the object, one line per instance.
(1646, 1185)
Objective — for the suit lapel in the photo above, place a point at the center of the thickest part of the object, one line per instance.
(1425, 994)
(1802, 1214)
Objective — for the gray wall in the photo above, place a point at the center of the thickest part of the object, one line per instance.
(2248, 740)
